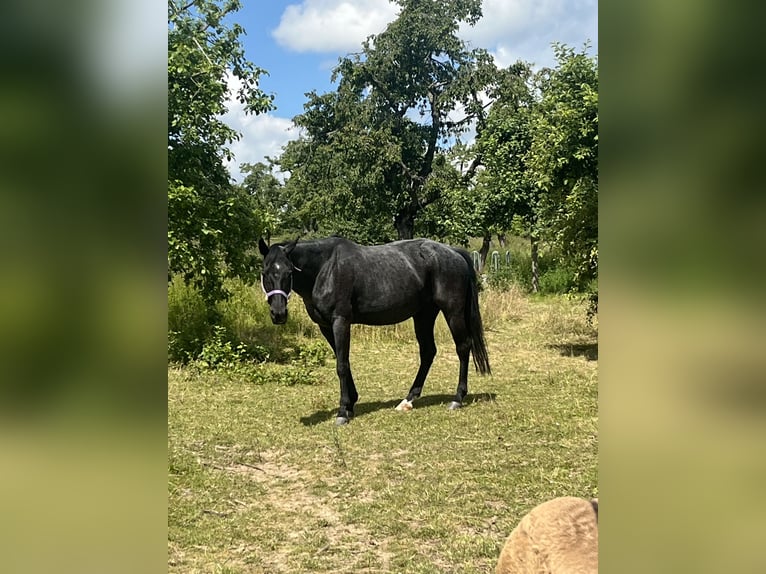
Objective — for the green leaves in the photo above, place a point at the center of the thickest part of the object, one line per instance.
(564, 158)
(210, 223)
(540, 147)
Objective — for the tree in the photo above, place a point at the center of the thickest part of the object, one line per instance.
(563, 159)
(210, 222)
(505, 145)
(453, 216)
(372, 144)
(328, 191)
(491, 189)
(540, 149)
(262, 185)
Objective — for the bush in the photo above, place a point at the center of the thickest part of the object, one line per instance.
(313, 353)
(188, 321)
(554, 277)
(557, 280)
(592, 293)
(218, 352)
(198, 333)
(503, 278)
(237, 329)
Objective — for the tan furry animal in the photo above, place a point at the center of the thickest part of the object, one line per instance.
(557, 537)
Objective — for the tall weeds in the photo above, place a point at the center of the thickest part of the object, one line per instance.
(243, 321)
(243, 328)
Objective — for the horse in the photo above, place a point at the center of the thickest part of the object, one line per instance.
(342, 283)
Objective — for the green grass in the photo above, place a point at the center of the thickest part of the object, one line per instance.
(262, 481)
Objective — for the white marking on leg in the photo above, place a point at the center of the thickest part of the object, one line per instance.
(404, 406)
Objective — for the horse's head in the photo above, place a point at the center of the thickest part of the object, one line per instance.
(277, 278)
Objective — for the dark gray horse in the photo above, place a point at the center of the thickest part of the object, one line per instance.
(343, 283)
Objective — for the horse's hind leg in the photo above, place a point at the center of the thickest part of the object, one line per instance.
(424, 332)
(460, 335)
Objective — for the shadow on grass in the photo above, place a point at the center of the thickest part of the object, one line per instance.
(587, 350)
(363, 408)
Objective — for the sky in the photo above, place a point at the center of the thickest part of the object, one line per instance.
(299, 43)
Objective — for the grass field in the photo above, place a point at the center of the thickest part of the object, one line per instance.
(260, 479)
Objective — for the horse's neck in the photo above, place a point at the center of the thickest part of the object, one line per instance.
(309, 258)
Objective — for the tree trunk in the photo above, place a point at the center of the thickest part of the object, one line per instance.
(535, 271)
(484, 251)
(501, 239)
(404, 223)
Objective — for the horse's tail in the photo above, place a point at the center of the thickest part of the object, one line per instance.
(473, 320)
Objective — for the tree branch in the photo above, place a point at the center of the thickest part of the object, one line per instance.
(408, 172)
(175, 8)
(426, 201)
(471, 171)
(433, 137)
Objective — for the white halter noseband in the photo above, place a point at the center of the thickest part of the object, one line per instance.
(278, 291)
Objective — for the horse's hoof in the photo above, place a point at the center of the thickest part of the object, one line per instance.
(454, 405)
(404, 406)
(339, 421)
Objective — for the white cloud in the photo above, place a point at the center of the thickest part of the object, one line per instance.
(332, 25)
(524, 29)
(262, 135)
(509, 29)
(503, 56)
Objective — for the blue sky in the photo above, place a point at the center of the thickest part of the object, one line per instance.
(299, 43)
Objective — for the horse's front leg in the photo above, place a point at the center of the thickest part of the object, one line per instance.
(341, 330)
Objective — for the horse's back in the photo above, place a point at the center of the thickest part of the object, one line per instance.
(412, 264)
(386, 284)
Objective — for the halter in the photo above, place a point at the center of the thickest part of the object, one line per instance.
(278, 291)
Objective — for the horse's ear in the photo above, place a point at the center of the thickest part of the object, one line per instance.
(290, 246)
(262, 247)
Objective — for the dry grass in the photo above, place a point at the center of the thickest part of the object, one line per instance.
(261, 480)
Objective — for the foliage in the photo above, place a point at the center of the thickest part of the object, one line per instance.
(314, 354)
(452, 218)
(540, 149)
(210, 223)
(218, 352)
(261, 184)
(491, 189)
(555, 276)
(504, 146)
(563, 159)
(243, 332)
(208, 236)
(221, 355)
(592, 300)
(188, 326)
(371, 146)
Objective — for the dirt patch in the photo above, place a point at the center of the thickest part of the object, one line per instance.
(288, 492)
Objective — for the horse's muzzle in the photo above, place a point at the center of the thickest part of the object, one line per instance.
(279, 318)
